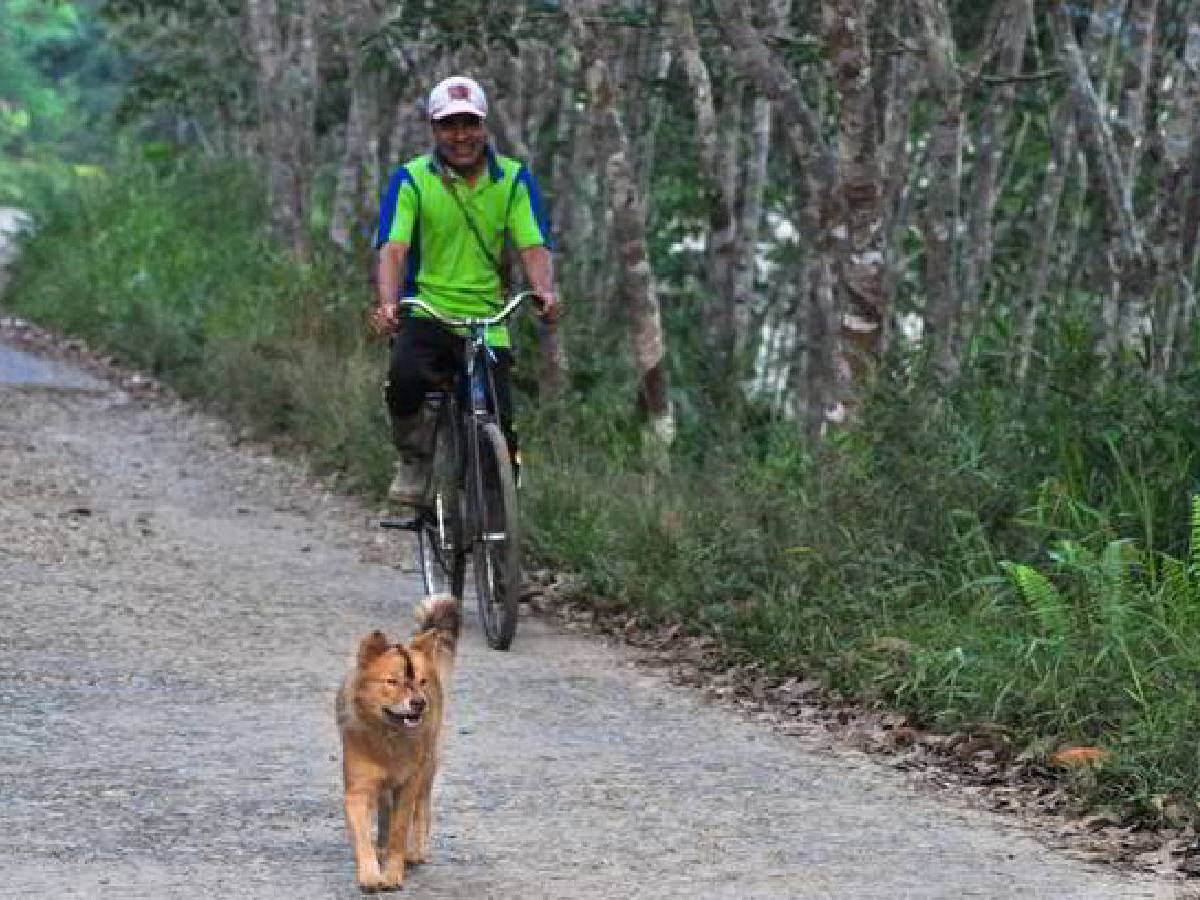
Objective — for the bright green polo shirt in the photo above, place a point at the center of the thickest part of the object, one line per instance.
(446, 266)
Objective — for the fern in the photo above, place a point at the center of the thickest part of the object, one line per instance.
(1113, 588)
(1043, 597)
(1194, 550)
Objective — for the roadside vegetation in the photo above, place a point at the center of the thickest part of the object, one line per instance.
(987, 521)
(1022, 561)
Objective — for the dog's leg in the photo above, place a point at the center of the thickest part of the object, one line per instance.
(398, 836)
(360, 807)
(418, 838)
(387, 800)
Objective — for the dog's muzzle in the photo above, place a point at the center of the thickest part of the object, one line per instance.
(408, 716)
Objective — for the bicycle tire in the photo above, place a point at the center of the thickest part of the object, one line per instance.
(496, 536)
(441, 533)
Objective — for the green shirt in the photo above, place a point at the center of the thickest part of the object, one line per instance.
(446, 266)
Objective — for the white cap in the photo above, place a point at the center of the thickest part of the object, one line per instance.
(457, 95)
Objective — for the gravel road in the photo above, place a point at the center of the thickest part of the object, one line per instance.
(176, 613)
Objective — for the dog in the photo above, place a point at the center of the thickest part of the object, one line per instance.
(390, 711)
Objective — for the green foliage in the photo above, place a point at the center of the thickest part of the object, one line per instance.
(1045, 600)
(978, 558)
(57, 81)
(170, 269)
(54, 72)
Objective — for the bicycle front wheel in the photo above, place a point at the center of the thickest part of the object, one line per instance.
(440, 542)
(496, 544)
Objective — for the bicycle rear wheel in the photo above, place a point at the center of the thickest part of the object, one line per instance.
(440, 543)
(496, 536)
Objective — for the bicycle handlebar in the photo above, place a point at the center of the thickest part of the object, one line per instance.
(471, 322)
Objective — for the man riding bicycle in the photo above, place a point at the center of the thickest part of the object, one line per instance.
(443, 222)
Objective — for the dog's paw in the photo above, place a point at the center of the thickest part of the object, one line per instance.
(417, 857)
(370, 882)
(392, 881)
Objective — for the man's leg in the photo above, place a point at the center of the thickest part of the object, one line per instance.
(502, 372)
(415, 352)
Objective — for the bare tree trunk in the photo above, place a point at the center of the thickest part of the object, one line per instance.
(1179, 201)
(346, 193)
(816, 204)
(743, 290)
(942, 218)
(1130, 263)
(859, 197)
(1062, 148)
(285, 46)
(508, 117)
(629, 229)
(1014, 20)
(719, 191)
(817, 405)
(569, 141)
(354, 22)
(904, 83)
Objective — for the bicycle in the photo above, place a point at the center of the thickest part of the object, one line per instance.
(470, 502)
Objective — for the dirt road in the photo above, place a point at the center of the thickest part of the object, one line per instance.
(175, 615)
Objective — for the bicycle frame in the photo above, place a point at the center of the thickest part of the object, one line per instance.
(474, 418)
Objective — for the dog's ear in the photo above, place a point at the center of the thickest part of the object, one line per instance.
(432, 643)
(372, 647)
(424, 643)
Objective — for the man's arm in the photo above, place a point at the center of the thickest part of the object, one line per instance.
(392, 256)
(539, 269)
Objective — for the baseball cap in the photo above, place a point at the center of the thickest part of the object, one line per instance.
(457, 95)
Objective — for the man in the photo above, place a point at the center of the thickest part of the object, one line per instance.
(443, 223)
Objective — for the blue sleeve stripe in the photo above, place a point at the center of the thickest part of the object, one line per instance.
(535, 202)
(413, 267)
(387, 205)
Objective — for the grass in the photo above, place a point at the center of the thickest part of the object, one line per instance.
(1026, 562)
(1015, 578)
(172, 272)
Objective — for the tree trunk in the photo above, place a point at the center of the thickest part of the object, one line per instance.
(859, 196)
(1179, 202)
(719, 191)
(1013, 23)
(344, 215)
(1131, 267)
(745, 275)
(1042, 236)
(816, 198)
(629, 233)
(904, 83)
(285, 46)
(942, 217)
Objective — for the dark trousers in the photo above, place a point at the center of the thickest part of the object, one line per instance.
(424, 357)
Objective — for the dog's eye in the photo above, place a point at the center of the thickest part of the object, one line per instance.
(392, 682)
(424, 681)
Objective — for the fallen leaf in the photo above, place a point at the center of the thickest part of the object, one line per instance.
(1078, 757)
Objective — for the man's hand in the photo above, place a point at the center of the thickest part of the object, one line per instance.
(549, 306)
(384, 316)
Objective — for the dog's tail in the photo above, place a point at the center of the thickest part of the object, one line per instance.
(439, 618)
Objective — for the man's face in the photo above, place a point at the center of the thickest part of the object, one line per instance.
(461, 140)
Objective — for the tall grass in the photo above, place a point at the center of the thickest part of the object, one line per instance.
(1035, 560)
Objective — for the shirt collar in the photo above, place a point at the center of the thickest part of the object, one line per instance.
(495, 170)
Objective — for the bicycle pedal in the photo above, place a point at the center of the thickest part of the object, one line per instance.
(400, 524)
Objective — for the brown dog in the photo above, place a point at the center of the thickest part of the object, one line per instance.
(389, 712)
